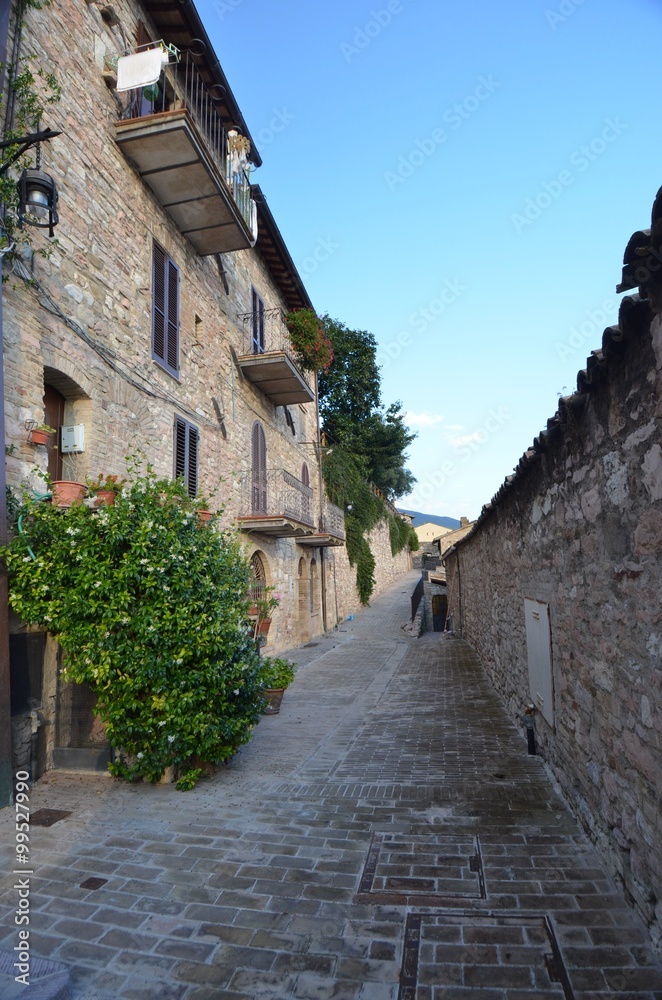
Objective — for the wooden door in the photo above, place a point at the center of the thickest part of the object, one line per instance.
(54, 416)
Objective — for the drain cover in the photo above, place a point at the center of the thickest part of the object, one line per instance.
(46, 817)
(311, 645)
(497, 952)
(403, 870)
(93, 883)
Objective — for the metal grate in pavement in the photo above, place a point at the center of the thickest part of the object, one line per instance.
(516, 956)
(402, 870)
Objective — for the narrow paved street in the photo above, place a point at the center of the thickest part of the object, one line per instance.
(386, 836)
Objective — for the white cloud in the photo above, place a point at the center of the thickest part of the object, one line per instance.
(458, 441)
(423, 419)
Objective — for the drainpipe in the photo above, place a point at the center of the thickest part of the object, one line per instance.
(529, 713)
(6, 783)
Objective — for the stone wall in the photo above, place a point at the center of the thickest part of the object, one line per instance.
(342, 596)
(579, 529)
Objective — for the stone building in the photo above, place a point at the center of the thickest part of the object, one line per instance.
(558, 587)
(157, 323)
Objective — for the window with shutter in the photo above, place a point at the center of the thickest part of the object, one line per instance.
(186, 454)
(259, 470)
(165, 310)
(257, 314)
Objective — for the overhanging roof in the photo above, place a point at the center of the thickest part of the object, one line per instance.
(271, 247)
(178, 22)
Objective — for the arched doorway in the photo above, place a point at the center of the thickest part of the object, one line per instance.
(439, 611)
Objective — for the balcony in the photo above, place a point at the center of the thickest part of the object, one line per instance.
(332, 528)
(175, 138)
(276, 504)
(266, 359)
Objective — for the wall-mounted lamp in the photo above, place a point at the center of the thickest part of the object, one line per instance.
(37, 191)
(37, 200)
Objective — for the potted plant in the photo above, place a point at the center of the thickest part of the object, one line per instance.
(275, 674)
(260, 612)
(64, 492)
(105, 489)
(41, 433)
(312, 347)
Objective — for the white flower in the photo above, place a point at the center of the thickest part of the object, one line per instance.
(171, 739)
(71, 531)
(236, 690)
(179, 661)
(140, 755)
(143, 562)
(106, 635)
(27, 559)
(125, 620)
(97, 583)
(165, 587)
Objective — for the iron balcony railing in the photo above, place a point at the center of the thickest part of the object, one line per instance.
(277, 493)
(333, 520)
(265, 331)
(181, 86)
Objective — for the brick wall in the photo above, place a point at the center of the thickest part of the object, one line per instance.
(579, 528)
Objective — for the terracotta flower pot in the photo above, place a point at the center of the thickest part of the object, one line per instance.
(204, 516)
(105, 498)
(263, 626)
(65, 492)
(40, 437)
(274, 696)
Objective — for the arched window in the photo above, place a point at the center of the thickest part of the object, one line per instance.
(305, 475)
(258, 470)
(258, 577)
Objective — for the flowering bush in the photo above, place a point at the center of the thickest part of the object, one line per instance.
(150, 610)
(105, 482)
(312, 346)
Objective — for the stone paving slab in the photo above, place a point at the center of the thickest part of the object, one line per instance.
(385, 837)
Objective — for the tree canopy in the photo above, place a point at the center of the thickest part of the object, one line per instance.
(354, 415)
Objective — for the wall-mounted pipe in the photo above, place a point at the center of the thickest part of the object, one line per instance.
(529, 713)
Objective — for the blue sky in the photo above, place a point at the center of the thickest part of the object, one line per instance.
(460, 179)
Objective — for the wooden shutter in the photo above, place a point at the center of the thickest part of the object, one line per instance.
(165, 310)
(259, 471)
(186, 454)
(257, 320)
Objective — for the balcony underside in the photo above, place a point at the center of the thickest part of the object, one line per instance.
(276, 375)
(171, 158)
(322, 540)
(276, 526)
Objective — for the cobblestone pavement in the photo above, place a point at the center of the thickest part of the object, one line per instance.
(386, 837)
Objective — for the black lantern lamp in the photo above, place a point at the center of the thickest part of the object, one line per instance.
(37, 194)
(37, 204)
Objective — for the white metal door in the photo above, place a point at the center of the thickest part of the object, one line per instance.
(539, 653)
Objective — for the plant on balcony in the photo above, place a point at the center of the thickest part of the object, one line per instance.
(149, 610)
(313, 349)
